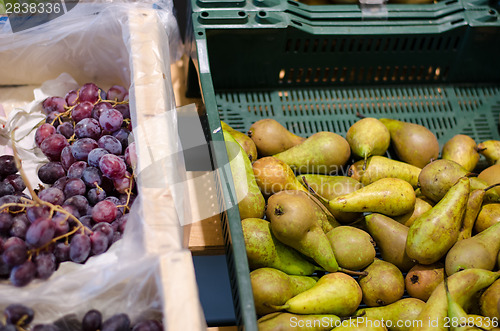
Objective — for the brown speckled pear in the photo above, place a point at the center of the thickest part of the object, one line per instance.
(463, 150)
(271, 137)
(490, 149)
(473, 208)
(368, 137)
(421, 206)
(489, 215)
(491, 175)
(422, 279)
(245, 142)
(383, 285)
(378, 167)
(353, 248)
(273, 175)
(284, 321)
(490, 301)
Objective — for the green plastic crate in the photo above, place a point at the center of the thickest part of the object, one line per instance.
(311, 77)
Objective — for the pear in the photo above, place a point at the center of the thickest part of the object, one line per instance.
(490, 149)
(390, 237)
(463, 286)
(353, 248)
(400, 313)
(270, 137)
(335, 293)
(264, 250)
(251, 203)
(490, 300)
(245, 142)
(436, 231)
(322, 153)
(421, 206)
(472, 210)
(479, 251)
(383, 285)
(378, 167)
(283, 321)
(273, 175)
(463, 150)
(491, 176)
(456, 313)
(361, 324)
(489, 214)
(413, 143)
(421, 280)
(368, 137)
(273, 287)
(330, 187)
(389, 196)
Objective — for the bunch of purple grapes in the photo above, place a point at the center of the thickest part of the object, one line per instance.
(19, 317)
(88, 186)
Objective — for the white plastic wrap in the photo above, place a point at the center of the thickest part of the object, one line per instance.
(148, 270)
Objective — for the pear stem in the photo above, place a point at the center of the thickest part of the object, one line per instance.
(364, 163)
(353, 273)
(479, 150)
(471, 174)
(491, 186)
(312, 192)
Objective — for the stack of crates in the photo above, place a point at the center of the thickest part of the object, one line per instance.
(313, 68)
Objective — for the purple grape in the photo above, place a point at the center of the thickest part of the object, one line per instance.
(117, 322)
(131, 155)
(122, 222)
(40, 232)
(92, 321)
(79, 202)
(104, 211)
(88, 128)
(99, 242)
(117, 93)
(46, 327)
(74, 186)
(67, 158)
(7, 165)
(123, 184)
(18, 314)
(92, 176)
(13, 241)
(45, 263)
(124, 109)
(149, 325)
(4, 273)
(95, 156)
(50, 172)
(72, 210)
(11, 199)
(87, 221)
(23, 274)
(95, 195)
(112, 166)
(16, 181)
(53, 118)
(116, 236)
(35, 212)
(76, 169)
(122, 136)
(105, 228)
(61, 183)
(66, 129)
(61, 224)
(111, 144)
(71, 98)
(61, 252)
(111, 120)
(99, 108)
(6, 189)
(53, 145)
(15, 255)
(79, 248)
(54, 104)
(6, 221)
(20, 226)
(53, 195)
(81, 111)
(89, 92)
(43, 132)
(82, 147)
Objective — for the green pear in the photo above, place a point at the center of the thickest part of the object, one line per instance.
(489, 301)
(264, 250)
(378, 167)
(436, 231)
(489, 214)
(251, 203)
(283, 321)
(353, 248)
(390, 237)
(421, 206)
(490, 149)
(383, 285)
(293, 223)
(399, 313)
(463, 150)
(463, 286)
(413, 143)
(245, 142)
(335, 293)
(274, 287)
(388, 196)
(491, 176)
(479, 251)
(361, 324)
(322, 153)
(330, 187)
(472, 210)
(456, 313)
(422, 279)
(270, 137)
(273, 175)
(368, 137)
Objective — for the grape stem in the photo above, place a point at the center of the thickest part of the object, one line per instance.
(128, 191)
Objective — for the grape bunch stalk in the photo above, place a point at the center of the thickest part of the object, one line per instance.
(18, 317)
(88, 185)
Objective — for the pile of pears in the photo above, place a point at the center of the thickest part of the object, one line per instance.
(340, 236)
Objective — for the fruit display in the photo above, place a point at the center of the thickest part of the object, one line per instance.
(378, 230)
(86, 186)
